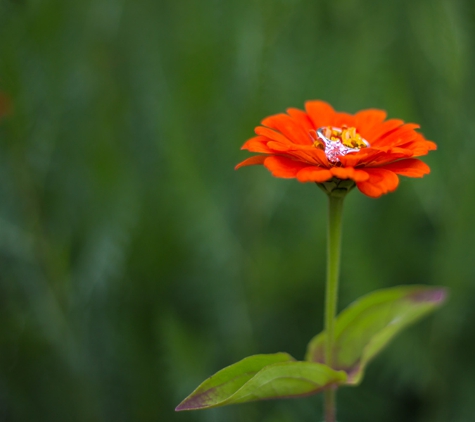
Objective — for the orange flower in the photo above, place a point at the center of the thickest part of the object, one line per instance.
(322, 144)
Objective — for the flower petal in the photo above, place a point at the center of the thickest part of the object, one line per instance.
(280, 147)
(404, 133)
(301, 118)
(361, 157)
(380, 181)
(257, 144)
(411, 167)
(320, 112)
(367, 119)
(271, 134)
(381, 130)
(289, 128)
(314, 174)
(349, 173)
(305, 153)
(360, 175)
(419, 146)
(342, 172)
(283, 167)
(252, 161)
(342, 119)
(388, 157)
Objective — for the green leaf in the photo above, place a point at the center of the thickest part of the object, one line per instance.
(262, 377)
(366, 326)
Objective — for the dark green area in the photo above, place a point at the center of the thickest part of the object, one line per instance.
(135, 262)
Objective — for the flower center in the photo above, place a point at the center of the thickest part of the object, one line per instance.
(339, 141)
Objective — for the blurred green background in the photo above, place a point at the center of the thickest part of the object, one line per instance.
(135, 262)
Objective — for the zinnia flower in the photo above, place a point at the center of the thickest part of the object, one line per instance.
(322, 144)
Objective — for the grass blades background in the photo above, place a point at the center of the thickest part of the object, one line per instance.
(134, 261)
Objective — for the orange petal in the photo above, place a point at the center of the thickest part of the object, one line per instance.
(351, 160)
(341, 119)
(343, 172)
(257, 144)
(301, 118)
(304, 153)
(363, 156)
(360, 176)
(271, 134)
(314, 174)
(382, 129)
(311, 155)
(419, 147)
(404, 133)
(388, 157)
(280, 147)
(320, 157)
(252, 161)
(283, 167)
(367, 119)
(411, 167)
(380, 181)
(349, 173)
(289, 128)
(320, 112)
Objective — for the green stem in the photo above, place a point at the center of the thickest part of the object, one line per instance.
(331, 297)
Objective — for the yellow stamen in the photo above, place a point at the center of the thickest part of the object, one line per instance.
(337, 142)
(350, 138)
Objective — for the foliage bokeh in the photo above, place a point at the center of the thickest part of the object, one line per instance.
(134, 261)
